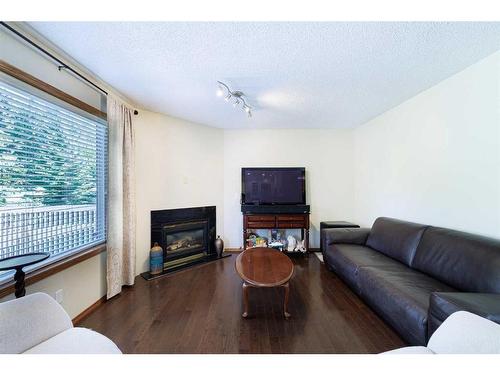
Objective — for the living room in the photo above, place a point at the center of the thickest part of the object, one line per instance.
(261, 187)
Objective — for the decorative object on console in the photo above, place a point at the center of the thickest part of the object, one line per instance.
(301, 247)
(277, 245)
(292, 242)
(236, 96)
(260, 242)
(156, 259)
(219, 246)
(251, 240)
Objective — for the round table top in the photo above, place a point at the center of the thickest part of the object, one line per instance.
(19, 261)
(264, 267)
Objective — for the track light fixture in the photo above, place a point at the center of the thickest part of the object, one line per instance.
(237, 96)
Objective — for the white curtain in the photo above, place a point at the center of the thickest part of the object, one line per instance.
(121, 198)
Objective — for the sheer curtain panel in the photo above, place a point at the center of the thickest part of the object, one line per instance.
(121, 198)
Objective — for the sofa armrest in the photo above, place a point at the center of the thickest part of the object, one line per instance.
(355, 236)
(30, 320)
(442, 305)
(466, 333)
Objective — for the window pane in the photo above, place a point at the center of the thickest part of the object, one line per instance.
(53, 166)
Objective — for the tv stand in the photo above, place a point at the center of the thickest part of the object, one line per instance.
(274, 218)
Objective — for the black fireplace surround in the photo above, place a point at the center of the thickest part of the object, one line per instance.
(186, 235)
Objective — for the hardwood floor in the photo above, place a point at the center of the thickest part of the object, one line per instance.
(198, 310)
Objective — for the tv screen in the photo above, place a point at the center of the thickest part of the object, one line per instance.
(273, 186)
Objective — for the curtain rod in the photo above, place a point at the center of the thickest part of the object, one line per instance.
(62, 64)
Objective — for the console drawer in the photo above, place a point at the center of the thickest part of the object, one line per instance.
(296, 218)
(291, 224)
(261, 218)
(261, 225)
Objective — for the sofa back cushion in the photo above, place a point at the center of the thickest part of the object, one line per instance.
(465, 261)
(395, 238)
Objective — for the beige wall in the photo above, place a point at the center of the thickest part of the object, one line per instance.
(435, 159)
(178, 164)
(326, 155)
(82, 285)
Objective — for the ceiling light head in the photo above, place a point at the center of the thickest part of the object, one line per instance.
(220, 91)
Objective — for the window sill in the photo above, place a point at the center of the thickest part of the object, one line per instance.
(53, 268)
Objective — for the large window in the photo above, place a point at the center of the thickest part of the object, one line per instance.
(53, 166)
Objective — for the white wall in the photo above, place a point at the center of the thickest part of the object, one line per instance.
(326, 155)
(178, 164)
(435, 159)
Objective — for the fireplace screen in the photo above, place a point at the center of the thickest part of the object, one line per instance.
(184, 239)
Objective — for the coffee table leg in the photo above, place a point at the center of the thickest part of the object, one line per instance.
(245, 300)
(285, 304)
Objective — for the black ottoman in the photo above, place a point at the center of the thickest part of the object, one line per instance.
(333, 224)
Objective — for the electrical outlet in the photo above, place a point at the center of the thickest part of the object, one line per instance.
(59, 296)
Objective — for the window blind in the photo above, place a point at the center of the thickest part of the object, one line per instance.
(53, 171)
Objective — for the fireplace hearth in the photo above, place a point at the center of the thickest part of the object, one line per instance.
(186, 236)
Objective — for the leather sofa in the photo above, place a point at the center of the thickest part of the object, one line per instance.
(414, 276)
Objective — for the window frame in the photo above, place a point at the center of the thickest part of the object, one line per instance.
(32, 85)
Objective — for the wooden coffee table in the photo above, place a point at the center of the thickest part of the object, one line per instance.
(262, 267)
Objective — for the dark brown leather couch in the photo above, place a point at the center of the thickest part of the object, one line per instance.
(414, 276)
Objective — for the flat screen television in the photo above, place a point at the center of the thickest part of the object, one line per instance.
(268, 186)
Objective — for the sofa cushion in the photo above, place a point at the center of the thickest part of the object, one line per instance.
(345, 259)
(395, 238)
(401, 296)
(468, 262)
(76, 341)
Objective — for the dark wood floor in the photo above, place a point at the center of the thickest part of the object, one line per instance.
(198, 310)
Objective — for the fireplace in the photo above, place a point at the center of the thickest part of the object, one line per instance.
(186, 235)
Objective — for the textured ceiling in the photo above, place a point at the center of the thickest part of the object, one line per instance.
(296, 75)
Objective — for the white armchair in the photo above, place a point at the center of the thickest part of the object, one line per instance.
(37, 324)
(461, 333)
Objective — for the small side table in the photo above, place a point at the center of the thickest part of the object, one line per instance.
(17, 262)
(333, 224)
